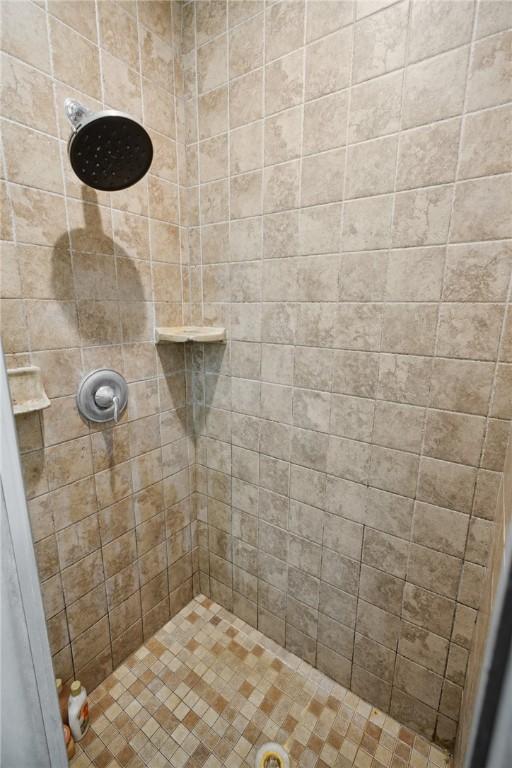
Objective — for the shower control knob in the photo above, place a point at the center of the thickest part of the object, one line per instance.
(105, 397)
(102, 395)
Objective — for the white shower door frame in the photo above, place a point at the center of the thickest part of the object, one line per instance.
(30, 723)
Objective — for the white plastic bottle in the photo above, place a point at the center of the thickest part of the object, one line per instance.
(78, 710)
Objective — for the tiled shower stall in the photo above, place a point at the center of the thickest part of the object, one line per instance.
(331, 183)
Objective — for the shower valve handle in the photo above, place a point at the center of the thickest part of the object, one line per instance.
(106, 398)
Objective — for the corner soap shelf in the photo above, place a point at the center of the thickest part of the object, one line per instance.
(182, 333)
(27, 390)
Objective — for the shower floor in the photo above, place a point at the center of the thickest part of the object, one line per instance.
(208, 690)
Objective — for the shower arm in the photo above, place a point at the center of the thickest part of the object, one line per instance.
(75, 112)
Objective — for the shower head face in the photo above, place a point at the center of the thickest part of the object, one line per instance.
(110, 151)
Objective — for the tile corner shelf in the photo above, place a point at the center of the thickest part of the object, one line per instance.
(183, 333)
(27, 390)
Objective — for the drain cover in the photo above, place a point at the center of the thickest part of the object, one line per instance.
(272, 755)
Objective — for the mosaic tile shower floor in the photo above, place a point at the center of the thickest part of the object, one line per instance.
(207, 690)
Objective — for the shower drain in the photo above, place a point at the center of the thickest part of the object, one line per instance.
(272, 755)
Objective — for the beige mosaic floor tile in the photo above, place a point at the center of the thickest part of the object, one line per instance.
(207, 690)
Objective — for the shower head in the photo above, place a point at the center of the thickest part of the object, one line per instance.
(107, 150)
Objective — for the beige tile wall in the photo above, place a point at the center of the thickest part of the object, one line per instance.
(348, 209)
(341, 196)
(503, 519)
(85, 277)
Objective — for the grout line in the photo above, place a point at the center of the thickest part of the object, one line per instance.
(391, 223)
(475, 10)
(145, 181)
(425, 415)
(199, 225)
(193, 369)
(75, 297)
(182, 179)
(229, 315)
(300, 106)
(262, 120)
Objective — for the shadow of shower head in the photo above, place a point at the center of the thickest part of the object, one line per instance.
(107, 150)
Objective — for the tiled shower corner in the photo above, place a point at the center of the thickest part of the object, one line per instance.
(330, 474)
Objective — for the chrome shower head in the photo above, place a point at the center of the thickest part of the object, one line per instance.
(107, 150)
